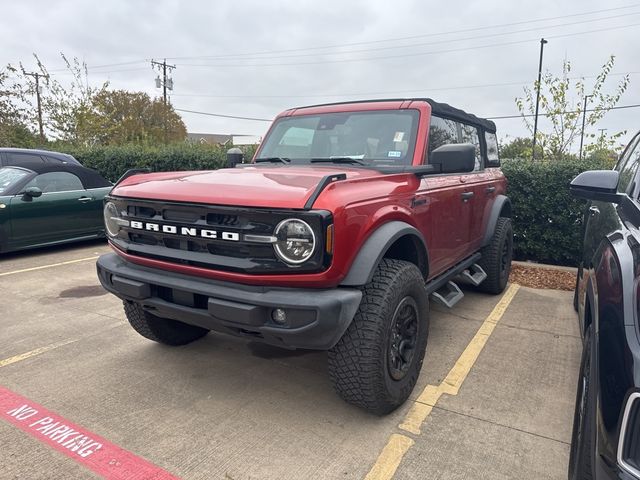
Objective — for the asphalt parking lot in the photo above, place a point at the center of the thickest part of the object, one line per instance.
(494, 399)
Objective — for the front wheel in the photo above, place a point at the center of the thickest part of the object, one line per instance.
(376, 363)
(161, 330)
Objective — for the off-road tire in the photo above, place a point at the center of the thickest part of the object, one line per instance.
(161, 330)
(496, 258)
(582, 438)
(359, 364)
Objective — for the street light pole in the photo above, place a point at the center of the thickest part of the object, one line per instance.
(535, 121)
(584, 114)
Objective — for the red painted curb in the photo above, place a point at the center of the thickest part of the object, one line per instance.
(92, 451)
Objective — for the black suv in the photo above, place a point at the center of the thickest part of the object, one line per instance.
(16, 157)
(606, 429)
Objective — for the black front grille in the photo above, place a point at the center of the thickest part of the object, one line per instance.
(191, 228)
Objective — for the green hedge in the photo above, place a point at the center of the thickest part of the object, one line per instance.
(112, 162)
(547, 220)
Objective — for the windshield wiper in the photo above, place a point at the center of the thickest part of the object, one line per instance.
(351, 160)
(273, 160)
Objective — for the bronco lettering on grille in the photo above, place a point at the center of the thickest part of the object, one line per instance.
(186, 231)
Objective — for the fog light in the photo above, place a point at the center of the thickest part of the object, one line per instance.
(279, 316)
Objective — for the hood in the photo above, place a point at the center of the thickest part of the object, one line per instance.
(263, 186)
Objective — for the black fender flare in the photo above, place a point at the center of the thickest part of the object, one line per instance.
(501, 203)
(374, 249)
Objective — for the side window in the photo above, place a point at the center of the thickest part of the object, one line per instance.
(56, 182)
(628, 167)
(470, 135)
(492, 146)
(442, 132)
(14, 158)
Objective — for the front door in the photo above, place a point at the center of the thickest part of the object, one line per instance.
(58, 214)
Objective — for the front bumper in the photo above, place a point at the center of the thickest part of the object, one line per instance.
(315, 319)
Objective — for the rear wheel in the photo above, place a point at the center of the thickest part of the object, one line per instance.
(161, 330)
(496, 258)
(376, 363)
(582, 444)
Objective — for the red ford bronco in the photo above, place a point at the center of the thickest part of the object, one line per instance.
(349, 217)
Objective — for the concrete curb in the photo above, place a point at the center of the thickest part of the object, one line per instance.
(546, 266)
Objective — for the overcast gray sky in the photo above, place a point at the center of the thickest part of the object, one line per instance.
(263, 55)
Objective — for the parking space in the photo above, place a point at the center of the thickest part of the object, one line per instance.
(494, 399)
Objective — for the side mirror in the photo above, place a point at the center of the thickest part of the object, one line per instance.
(234, 157)
(454, 158)
(33, 192)
(600, 185)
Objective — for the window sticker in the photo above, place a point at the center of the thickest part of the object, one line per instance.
(394, 153)
(398, 136)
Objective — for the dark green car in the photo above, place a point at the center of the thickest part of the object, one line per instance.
(48, 204)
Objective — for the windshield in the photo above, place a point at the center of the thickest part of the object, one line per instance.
(384, 137)
(9, 177)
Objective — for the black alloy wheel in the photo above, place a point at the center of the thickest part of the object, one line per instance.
(403, 338)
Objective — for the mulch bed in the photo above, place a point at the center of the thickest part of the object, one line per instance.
(540, 277)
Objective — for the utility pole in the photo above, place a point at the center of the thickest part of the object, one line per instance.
(165, 83)
(37, 76)
(584, 115)
(601, 139)
(535, 121)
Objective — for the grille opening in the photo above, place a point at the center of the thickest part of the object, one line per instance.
(165, 294)
(181, 216)
(137, 211)
(142, 238)
(222, 219)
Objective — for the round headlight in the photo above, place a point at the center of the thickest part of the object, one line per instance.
(111, 217)
(296, 241)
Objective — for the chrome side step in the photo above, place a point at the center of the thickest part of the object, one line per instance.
(448, 295)
(475, 275)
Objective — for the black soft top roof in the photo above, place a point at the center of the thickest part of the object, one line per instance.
(446, 110)
(90, 178)
(437, 108)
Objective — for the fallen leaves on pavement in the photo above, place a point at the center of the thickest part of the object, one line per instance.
(540, 277)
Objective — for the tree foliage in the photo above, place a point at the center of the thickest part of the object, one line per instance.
(14, 112)
(134, 117)
(80, 114)
(562, 104)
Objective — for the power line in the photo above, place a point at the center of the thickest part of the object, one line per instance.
(412, 37)
(404, 55)
(394, 92)
(120, 64)
(224, 116)
(434, 34)
(619, 107)
(440, 42)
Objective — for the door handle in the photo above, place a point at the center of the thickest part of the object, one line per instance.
(490, 189)
(85, 199)
(593, 211)
(466, 196)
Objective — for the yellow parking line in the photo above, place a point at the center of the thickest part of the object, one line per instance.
(390, 457)
(52, 346)
(398, 445)
(48, 266)
(37, 351)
